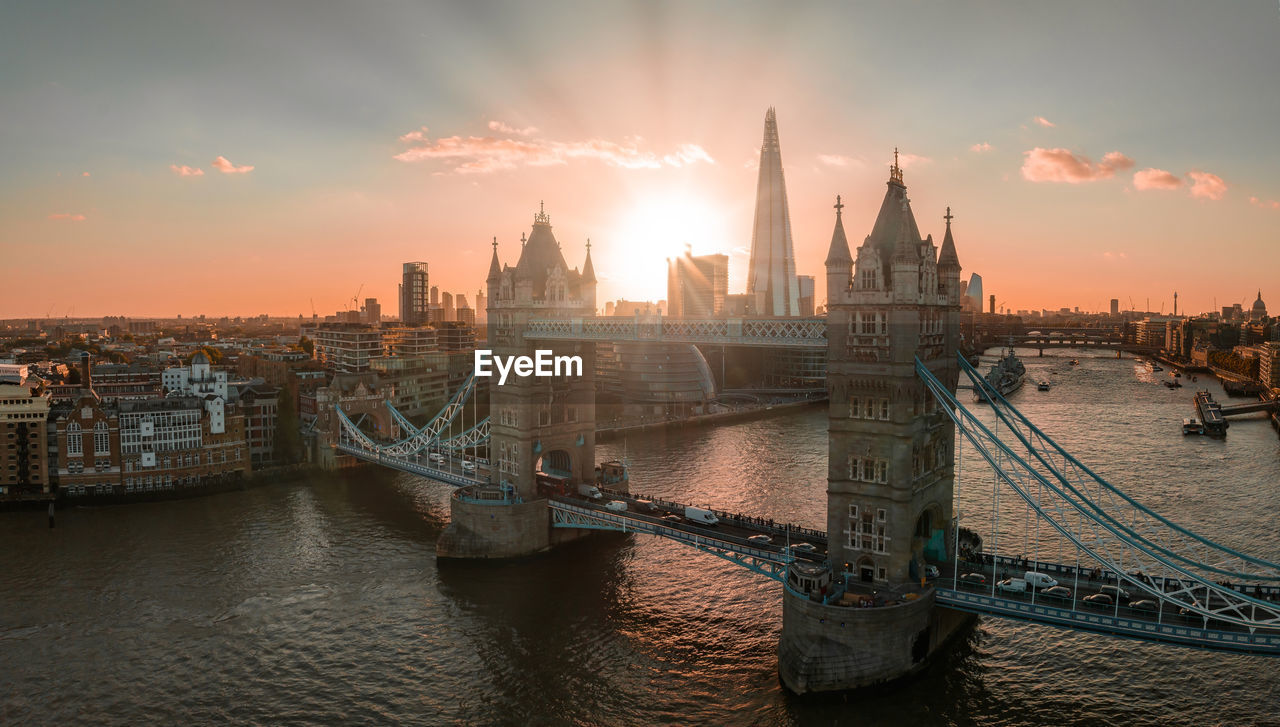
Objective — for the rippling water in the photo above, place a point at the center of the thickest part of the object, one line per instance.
(322, 602)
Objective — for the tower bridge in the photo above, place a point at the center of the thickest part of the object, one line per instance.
(894, 574)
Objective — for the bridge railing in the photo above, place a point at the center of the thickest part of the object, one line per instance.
(729, 517)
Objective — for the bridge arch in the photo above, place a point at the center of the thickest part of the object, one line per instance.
(557, 462)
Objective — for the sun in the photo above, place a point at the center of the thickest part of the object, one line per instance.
(655, 227)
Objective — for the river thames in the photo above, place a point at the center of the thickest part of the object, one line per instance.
(321, 601)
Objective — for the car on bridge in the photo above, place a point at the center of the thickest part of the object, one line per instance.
(616, 505)
(1038, 580)
(1146, 605)
(1061, 593)
(975, 578)
(1099, 600)
(435, 457)
(468, 466)
(760, 539)
(931, 571)
(1115, 592)
(673, 519)
(803, 548)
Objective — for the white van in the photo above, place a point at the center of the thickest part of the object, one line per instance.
(1012, 585)
(700, 516)
(616, 505)
(1038, 580)
(590, 491)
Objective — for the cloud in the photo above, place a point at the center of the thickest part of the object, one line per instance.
(1115, 255)
(741, 251)
(1207, 186)
(1269, 204)
(67, 216)
(186, 171)
(839, 160)
(1061, 165)
(980, 147)
(484, 154)
(419, 134)
(688, 154)
(1152, 178)
(84, 174)
(1044, 122)
(225, 166)
(502, 128)
(906, 160)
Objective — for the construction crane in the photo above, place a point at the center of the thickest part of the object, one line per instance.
(355, 299)
(313, 308)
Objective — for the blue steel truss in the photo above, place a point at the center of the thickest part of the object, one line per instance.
(1077, 520)
(425, 437)
(1114, 506)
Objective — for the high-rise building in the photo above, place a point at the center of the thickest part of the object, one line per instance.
(771, 277)
(973, 294)
(482, 313)
(1115, 306)
(371, 312)
(413, 294)
(804, 284)
(447, 312)
(697, 286)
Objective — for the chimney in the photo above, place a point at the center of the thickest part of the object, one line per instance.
(86, 370)
(993, 304)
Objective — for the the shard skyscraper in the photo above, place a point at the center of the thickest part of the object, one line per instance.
(771, 280)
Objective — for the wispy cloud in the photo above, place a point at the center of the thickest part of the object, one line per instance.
(419, 134)
(981, 147)
(84, 174)
(69, 217)
(502, 128)
(483, 154)
(1061, 165)
(907, 160)
(1207, 186)
(225, 166)
(840, 160)
(1270, 204)
(1044, 122)
(741, 251)
(1109, 255)
(186, 171)
(1152, 178)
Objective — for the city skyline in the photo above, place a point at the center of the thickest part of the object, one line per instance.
(204, 161)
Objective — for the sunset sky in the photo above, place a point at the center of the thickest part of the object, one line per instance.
(246, 158)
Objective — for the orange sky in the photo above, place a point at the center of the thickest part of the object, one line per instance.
(256, 161)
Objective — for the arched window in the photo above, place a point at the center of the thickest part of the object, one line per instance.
(101, 439)
(75, 444)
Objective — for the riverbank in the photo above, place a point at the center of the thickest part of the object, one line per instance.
(605, 434)
(268, 476)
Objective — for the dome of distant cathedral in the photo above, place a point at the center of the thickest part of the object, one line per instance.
(1259, 308)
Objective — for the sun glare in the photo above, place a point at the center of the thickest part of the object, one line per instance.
(657, 227)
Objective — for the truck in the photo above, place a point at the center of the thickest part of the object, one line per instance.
(590, 491)
(701, 516)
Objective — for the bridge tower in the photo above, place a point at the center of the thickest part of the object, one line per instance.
(890, 478)
(537, 423)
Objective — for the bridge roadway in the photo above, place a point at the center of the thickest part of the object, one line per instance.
(1163, 624)
(729, 540)
(449, 470)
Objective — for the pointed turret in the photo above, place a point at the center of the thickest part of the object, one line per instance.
(839, 262)
(947, 257)
(495, 268)
(771, 276)
(588, 270)
(838, 253)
